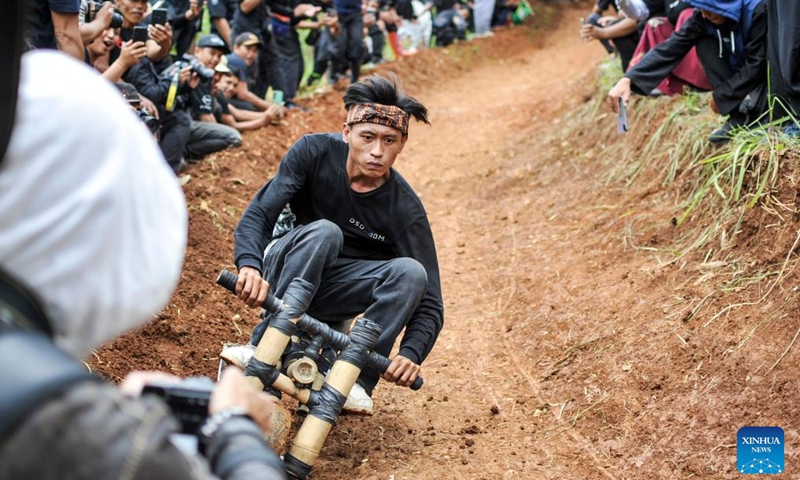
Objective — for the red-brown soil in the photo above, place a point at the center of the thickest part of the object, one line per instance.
(574, 346)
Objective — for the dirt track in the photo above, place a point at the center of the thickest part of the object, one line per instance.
(567, 352)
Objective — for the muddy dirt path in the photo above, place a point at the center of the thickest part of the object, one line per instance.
(573, 347)
(471, 419)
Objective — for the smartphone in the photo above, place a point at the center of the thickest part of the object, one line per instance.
(159, 16)
(277, 97)
(140, 34)
(622, 117)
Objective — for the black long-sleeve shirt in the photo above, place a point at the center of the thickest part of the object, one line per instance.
(145, 77)
(388, 222)
(660, 61)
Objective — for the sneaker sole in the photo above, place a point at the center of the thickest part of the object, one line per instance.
(357, 411)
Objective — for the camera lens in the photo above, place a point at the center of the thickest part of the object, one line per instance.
(147, 119)
(204, 72)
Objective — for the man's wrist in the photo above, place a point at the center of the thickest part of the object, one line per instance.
(409, 354)
(216, 420)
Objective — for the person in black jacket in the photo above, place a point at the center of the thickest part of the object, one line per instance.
(287, 69)
(184, 17)
(362, 236)
(221, 13)
(175, 124)
(730, 39)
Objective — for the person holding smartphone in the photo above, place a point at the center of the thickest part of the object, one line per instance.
(131, 52)
(730, 40)
(159, 41)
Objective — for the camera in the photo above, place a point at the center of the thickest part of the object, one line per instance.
(188, 401)
(91, 12)
(147, 119)
(187, 60)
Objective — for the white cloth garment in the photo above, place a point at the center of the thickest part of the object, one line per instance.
(483, 11)
(635, 9)
(91, 216)
(417, 33)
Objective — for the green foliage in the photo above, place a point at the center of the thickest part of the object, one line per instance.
(745, 170)
(609, 74)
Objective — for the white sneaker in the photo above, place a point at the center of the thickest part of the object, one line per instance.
(238, 355)
(358, 402)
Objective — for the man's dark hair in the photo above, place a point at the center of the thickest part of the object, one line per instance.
(385, 91)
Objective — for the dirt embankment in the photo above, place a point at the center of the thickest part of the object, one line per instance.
(576, 345)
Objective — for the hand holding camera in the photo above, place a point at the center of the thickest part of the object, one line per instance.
(233, 391)
(186, 76)
(105, 12)
(194, 399)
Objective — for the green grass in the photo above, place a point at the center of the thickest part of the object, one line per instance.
(714, 187)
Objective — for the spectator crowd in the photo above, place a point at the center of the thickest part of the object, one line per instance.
(198, 90)
(743, 51)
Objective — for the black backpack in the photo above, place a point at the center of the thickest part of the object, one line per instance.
(32, 368)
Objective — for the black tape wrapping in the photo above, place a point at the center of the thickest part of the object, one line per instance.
(363, 337)
(295, 302)
(337, 340)
(265, 373)
(284, 325)
(365, 333)
(314, 327)
(296, 468)
(326, 404)
(297, 298)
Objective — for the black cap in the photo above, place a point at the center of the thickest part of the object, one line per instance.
(247, 39)
(213, 41)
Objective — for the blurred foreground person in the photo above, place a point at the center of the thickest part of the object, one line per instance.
(92, 232)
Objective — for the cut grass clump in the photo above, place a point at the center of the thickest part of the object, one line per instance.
(668, 143)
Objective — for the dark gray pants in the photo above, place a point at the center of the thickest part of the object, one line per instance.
(287, 70)
(386, 291)
(206, 138)
(352, 27)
